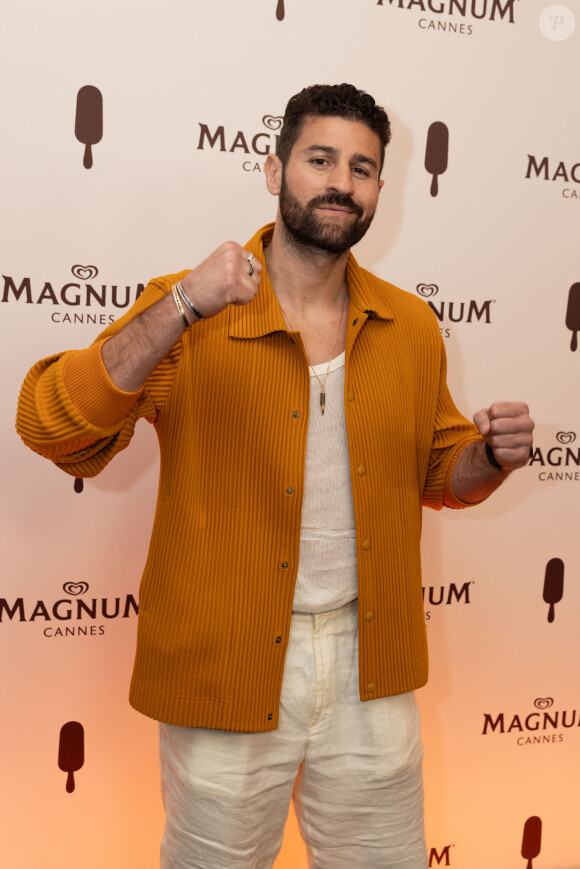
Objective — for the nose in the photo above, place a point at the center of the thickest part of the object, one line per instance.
(340, 179)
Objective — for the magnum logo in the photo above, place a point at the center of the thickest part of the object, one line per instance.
(440, 858)
(534, 728)
(85, 273)
(455, 16)
(280, 12)
(445, 595)
(553, 585)
(532, 840)
(563, 456)
(541, 169)
(75, 588)
(546, 170)
(455, 312)
(492, 10)
(70, 616)
(475, 8)
(437, 595)
(71, 751)
(436, 153)
(566, 437)
(260, 143)
(89, 120)
(81, 292)
(427, 290)
(573, 315)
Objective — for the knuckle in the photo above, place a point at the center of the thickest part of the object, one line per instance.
(230, 281)
(230, 249)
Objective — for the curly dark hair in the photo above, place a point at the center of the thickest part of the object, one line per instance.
(340, 100)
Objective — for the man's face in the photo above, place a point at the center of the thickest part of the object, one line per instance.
(330, 185)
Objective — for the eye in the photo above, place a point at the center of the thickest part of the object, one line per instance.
(319, 161)
(358, 170)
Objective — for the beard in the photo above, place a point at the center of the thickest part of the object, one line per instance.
(307, 229)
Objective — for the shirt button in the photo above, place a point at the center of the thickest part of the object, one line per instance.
(355, 321)
(361, 470)
(285, 565)
(278, 639)
(367, 545)
(295, 414)
(371, 688)
(289, 490)
(369, 616)
(350, 395)
(269, 716)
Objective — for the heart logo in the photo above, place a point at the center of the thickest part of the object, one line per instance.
(272, 122)
(543, 702)
(85, 273)
(75, 588)
(427, 290)
(566, 437)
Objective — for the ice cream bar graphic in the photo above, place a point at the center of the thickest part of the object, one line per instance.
(280, 10)
(436, 152)
(553, 584)
(532, 840)
(71, 751)
(79, 485)
(573, 314)
(89, 120)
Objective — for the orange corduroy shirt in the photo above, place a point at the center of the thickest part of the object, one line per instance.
(230, 404)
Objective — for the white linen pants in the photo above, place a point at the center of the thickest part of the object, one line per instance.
(352, 768)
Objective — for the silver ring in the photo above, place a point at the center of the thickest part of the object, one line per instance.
(251, 272)
(250, 257)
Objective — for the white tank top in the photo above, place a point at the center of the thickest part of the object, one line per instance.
(327, 577)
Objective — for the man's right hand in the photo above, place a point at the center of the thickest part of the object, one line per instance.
(223, 279)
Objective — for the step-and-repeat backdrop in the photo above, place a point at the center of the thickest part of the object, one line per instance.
(133, 143)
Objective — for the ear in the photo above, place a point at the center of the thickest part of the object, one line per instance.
(381, 185)
(273, 172)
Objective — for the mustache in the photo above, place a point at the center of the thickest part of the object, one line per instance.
(339, 199)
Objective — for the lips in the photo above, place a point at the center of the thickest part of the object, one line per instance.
(337, 204)
(335, 210)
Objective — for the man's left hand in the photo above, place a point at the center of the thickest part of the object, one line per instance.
(507, 427)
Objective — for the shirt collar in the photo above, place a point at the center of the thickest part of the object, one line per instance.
(263, 315)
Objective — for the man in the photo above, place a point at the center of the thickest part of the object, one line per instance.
(303, 417)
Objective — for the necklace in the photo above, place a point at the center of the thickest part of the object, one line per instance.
(322, 383)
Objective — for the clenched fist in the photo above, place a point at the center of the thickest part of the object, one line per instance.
(223, 279)
(507, 428)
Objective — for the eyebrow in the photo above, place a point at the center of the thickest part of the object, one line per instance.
(357, 158)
